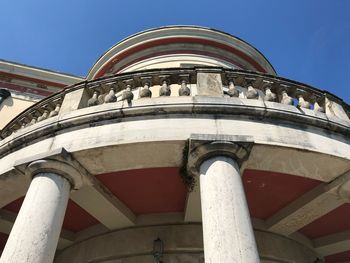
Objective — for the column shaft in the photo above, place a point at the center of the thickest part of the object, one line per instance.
(35, 234)
(227, 230)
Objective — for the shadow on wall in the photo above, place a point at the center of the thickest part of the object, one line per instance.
(6, 102)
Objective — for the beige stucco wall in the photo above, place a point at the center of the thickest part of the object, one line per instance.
(177, 61)
(183, 243)
(11, 107)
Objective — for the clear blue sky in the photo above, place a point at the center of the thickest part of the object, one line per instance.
(305, 40)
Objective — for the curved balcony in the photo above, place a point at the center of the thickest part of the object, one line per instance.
(272, 92)
(125, 132)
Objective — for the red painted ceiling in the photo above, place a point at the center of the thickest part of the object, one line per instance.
(268, 192)
(335, 221)
(157, 190)
(161, 190)
(15, 205)
(340, 257)
(145, 191)
(75, 220)
(3, 239)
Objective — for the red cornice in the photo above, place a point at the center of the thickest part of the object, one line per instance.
(35, 80)
(26, 89)
(172, 52)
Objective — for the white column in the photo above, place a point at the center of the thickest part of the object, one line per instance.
(227, 230)
(35, 234)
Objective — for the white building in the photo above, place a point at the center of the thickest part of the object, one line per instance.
(181, 145)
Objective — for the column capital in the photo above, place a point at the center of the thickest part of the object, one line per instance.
(202, 147)
(58, 167)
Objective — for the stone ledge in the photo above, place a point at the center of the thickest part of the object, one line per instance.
(162, 108)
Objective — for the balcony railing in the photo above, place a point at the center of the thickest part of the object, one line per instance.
(180, 82)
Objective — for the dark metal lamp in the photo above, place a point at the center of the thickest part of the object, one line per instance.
(158, 249)
(4, 94)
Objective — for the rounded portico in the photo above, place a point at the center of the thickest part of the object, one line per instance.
(182, 145)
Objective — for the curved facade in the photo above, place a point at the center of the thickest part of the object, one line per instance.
(180, 46)
(182, 145)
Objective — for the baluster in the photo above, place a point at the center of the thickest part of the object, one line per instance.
(286, 99)
(165, 89)
(318, 108)
(94, 99)
(43, 116)
(232, 90)
(302, 102)
(127, 94)
(316, 100)
(33, 121)
(12, 128)
(23, 122)
(110, 97)
(34, 116)
(55, 111)
(145, 91)
(101, 99)
(184, 90)
(251, 92)
(269, 95)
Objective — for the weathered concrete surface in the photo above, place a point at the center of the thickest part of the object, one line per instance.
(7, 219)
(166, 134)
(334, 109)
(227, 230)
(13, 185)
(303, 211)
(35, 234)
(193, 211)
(117, 136)
(74, 100)
(310, 206)
(276, 248)
(286, 147)
(104, 206)
(209, 84)
(333, 244)
(297, 162)
(178, 239)
(182, 243)
(228, 108)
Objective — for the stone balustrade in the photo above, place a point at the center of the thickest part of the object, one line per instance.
(273, 89)
(183, 82)
(40, 111)
(138, 85)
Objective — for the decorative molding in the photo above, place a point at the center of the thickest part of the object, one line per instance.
(199, 148)
(58, 161)
(162, 38)
(57, 167)
(204, 146)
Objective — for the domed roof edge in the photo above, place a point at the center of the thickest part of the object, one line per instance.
(180, 26)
